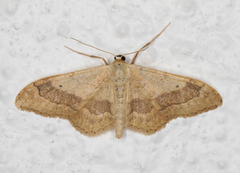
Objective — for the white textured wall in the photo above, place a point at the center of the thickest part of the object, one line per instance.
(202, 42)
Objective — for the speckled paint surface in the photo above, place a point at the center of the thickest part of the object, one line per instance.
(202, 42)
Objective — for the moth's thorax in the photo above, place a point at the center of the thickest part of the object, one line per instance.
(119, 77)
(119, 69)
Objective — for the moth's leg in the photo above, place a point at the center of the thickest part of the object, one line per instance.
(146, 45)
(92, 56)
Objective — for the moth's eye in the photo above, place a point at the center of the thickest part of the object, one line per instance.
(115, 57)
(123, 58)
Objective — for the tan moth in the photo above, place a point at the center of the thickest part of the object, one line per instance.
(119, 96)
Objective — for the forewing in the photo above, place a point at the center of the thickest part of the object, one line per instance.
(69, 96)
(157, 97)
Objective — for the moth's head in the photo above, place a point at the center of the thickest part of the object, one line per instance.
(120, 57)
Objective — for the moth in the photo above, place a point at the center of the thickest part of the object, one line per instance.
(119, 95)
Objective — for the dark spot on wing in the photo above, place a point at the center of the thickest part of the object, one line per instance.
(179, 96)
(54, 95)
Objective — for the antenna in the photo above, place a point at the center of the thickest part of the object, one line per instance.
(137, 52)
(92, 56)
(93, 46)
(146, 45)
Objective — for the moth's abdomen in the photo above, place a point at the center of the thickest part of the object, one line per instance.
(120, 104)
